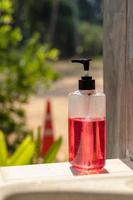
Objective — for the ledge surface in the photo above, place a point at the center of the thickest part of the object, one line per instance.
(59, 171)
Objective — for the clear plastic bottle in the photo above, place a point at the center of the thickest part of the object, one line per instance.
(87, 124)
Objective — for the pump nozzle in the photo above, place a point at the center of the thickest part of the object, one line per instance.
(86, 82)
(85, 62)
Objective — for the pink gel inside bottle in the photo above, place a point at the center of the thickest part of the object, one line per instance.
(87, 139)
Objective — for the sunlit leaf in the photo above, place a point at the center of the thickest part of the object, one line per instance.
(26, 157)
(6, 19)
(20, 150)
(38, 141)
(53, 54)
(6, 5)
(16, 35)
(3, 149)
(52, 153)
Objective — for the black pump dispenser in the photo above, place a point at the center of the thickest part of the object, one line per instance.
(86, 82)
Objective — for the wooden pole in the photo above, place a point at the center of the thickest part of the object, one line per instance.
(118, 76)
(115, 47)
(129, 80)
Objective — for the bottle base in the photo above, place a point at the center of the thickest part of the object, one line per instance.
(97, 166)
(80, 170)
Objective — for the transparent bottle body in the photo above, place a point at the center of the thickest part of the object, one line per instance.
(87, 129)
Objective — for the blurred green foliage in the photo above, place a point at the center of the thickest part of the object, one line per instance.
(90, 39)
(26, 152)
(22, 65)
(61, 19)
(90, 11)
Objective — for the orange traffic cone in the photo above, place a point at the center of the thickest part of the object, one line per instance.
(47, 130)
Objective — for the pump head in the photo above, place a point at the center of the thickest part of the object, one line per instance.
(86, 82)
(85, 62)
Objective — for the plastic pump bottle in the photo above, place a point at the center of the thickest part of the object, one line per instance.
(87, 124)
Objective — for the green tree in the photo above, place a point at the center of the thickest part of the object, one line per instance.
(57, 20)
(52, 18)
(22, 65)
(90, 11)
(90, 39)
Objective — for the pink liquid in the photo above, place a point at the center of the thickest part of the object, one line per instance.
(87, 143)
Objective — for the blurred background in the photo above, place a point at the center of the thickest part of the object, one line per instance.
(38, 39)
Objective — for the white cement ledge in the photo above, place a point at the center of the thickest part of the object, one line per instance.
(58, 171)
(60, 177)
